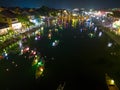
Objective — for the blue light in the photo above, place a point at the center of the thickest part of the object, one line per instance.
(53, 44)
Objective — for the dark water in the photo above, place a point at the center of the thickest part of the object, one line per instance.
(78, 60)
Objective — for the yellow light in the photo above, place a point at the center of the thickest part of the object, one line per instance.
(65, 11)
(49, 36)
(74, 14)
(36, 60)
(42, 28)
(41, 69)
(112, 82)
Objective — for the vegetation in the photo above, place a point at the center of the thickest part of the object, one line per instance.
(24, 20)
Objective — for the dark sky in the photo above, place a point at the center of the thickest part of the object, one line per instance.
(62, 3)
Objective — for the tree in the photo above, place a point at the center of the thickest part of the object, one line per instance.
(25, 21)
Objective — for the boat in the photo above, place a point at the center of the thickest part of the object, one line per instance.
(61, 86)
(110, 83)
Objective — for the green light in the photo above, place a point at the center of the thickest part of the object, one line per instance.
(91, 35)
(39, 63)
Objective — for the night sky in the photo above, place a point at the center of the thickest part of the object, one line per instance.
(62, 3)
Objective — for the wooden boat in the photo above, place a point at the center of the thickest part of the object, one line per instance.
(110, 83)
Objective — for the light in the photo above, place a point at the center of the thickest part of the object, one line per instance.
(7, 69)
(39, 72)
(34, 52)
(36, 38)
(6, 54)
(53, 44)
(103, 20)
(22, 51)
(36, 56)
(39, 63)
(86, 13)
(112, 82)
(74, 14)
(50, 30)
(109, 44)
(98, 13)
(17, 25)
(36, 60)
(16, 65)
(100, 34)
(116, 24)
(56, 41)
(95, 29)
(49, 35)
(91, 35)
(41, 69)
(20, 44)
(42, 28)
(13, 62)
(27, 49)
(56, 30)
(97, 18)
(65, 11)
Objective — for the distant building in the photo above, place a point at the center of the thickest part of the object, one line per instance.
(1, 9)
(16, 26)
(4, 28)
(7, 16)
(75, 12)
(34, 20)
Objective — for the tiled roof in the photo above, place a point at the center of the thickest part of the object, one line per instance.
(8, 13)
(3, 25)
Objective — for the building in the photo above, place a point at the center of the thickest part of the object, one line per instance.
(7, 16)
(4, 28)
